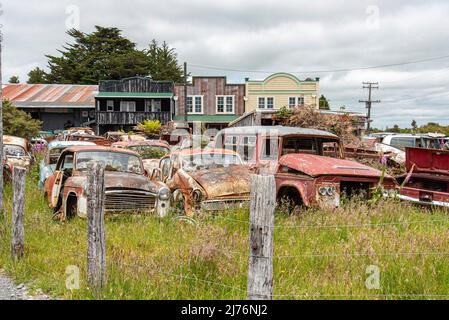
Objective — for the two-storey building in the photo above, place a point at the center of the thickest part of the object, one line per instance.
(122, 104)
(211, 101)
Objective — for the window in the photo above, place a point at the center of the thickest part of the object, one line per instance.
(265, 102)
(127, 106)
(195, 104)
(402, 142)
(231, 143)
(247, 148)
(156, 105)
(295, 101)
(269, 149)
(299, 145)
(261, 103)
(225, 104)
(110, 105)
(189, 104)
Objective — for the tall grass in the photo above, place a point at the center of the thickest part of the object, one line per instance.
(318, 253)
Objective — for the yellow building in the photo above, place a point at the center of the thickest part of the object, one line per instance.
(279, 90)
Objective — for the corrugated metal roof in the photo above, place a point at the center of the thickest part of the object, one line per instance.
(50, 95)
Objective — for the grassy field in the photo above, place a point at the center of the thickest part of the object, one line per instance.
(318, 254)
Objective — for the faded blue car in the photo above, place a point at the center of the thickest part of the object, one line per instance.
(54, 149)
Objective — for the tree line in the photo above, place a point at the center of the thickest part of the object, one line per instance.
(105, 54)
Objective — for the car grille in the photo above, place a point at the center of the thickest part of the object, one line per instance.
(124, 200)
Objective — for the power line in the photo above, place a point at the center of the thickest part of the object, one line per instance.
(322, 71)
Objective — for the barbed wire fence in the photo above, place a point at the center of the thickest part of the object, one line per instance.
(261, 253)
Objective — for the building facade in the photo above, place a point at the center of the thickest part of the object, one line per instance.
(122, 104)
(211, 101)
(56, 105)
(281, 90)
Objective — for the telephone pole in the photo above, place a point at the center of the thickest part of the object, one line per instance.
(369, 102)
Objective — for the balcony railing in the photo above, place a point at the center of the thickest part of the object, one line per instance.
(131, 118)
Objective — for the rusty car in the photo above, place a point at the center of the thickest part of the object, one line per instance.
(209, 180)
(427, 179)
(98, 140)
(127, 185)
(48, 163)
(151, 151)
(117, 136)
(16, 153)
(313, 180)
(74, 130)
(261, 146)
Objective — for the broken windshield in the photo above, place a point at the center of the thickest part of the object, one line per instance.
(113, 161)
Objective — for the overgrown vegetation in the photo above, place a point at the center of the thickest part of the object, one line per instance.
(19, 123)
(318, 253)
(309, 117)
(151, 128)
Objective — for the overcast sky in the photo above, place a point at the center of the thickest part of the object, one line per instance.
(301, 37)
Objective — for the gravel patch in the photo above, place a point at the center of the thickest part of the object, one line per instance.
(10, 291)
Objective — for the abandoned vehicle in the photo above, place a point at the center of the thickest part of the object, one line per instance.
(261, 146)
(16, 153)
(313, 180)
(98, 140)
(427, 181)
(127, 186)
(211, 179)
(48, 163)
(151, 151)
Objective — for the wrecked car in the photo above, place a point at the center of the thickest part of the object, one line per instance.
(427, 180)
(209, 180)
(312, 180)
(98, 140)
(151, 151)
(127, 186)
(260, 147)
(117, 136)
(48, 163)
(16, 152)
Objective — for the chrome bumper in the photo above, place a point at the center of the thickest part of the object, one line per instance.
(427, 203)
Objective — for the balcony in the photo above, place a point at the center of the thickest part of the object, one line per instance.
(130, 118)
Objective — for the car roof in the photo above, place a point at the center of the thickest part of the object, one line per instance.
(131, 143)
(18, 141)
(280, 131)
(94, 148)
(408, 135)
(59, 144)
(202, 151)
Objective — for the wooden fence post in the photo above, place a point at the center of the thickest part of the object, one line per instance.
(260, 271)
(18, 233)
(96, 247)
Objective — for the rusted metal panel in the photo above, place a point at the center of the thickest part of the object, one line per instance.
(427, 160)
(24, 95)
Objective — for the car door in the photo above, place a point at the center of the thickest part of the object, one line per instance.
(65, 163)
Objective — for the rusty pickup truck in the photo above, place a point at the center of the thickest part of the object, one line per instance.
(317, 181)
(128, 187)
(427, 180)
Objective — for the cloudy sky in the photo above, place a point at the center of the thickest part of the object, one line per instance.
(251, 38)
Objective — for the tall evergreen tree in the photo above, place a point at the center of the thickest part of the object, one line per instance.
(14, 79)
(37, 75)
(101, 55)
(163, 62)
(324, 104)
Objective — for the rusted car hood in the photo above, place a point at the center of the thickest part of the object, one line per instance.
(222, 182)
(314, 166)
(114, 179)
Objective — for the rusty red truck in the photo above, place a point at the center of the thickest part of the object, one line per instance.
(427, 180)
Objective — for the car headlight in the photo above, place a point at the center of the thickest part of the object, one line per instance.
(197, 195)
(326, 191)
(164, 194)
